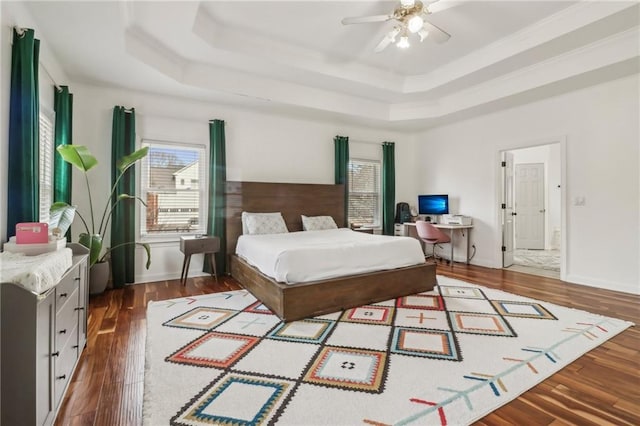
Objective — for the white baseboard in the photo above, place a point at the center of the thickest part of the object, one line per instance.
(608, 285)
(150, 278)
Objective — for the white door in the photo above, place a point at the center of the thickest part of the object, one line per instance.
(507, 209)
(529, 206)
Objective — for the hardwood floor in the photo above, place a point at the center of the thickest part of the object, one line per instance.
(602, 387)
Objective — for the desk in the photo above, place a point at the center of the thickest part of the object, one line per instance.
(193, 245)
(410, 230)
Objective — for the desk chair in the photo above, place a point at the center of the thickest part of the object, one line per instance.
(432, 235)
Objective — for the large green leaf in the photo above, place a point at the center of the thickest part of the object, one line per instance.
(131, 197)
(94, 244)
(78, 155)
(147, 248)
(61, 216)
(127, 161)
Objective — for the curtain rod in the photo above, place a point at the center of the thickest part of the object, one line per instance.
(21, 32)
(366, 142)
(51, 77)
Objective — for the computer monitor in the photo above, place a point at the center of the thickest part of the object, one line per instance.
(433, 204)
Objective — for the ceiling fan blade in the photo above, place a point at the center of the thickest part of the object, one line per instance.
(437, 34)
(439, 6)
(366, 19)
(383, 44)
(389, 38)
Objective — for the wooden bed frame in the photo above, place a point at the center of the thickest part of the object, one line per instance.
(291, 302)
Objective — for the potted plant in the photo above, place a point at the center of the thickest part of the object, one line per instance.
(63, 214)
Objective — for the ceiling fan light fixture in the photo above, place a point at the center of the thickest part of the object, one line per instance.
(404, 42)
(407, 3)
(423, 34)
(415, 24)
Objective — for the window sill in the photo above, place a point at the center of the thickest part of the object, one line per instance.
(165, 239)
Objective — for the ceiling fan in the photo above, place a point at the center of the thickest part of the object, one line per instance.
(410, 16)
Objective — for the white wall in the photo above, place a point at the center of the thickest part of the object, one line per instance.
(15, 14)
(601, 127)
(259, 147)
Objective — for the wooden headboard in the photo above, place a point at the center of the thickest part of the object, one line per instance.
(291, 199)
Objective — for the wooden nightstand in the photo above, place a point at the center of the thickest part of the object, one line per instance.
(365, 230)
(196, 245)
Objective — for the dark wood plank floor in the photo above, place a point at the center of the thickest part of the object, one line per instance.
(600, 388)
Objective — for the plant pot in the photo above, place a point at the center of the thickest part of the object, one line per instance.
(99, 277)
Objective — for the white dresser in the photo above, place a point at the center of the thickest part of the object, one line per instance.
(42, 337)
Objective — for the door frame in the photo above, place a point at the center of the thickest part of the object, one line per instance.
(562, 140)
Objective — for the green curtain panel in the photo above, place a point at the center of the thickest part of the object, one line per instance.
(23, 183)
(217, 181)
(388, 186)
(63, 107)
(341, 170)
(123, 142)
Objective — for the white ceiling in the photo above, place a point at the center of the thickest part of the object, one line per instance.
(297, 57)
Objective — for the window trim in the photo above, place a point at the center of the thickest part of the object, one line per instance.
(203, 191)
(378, 162)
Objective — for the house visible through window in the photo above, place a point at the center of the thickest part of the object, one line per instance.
(46, 164)
(170, 186)
(364, 192)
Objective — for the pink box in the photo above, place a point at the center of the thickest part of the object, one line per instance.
(32, 233)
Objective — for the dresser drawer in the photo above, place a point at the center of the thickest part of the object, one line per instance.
(63, 367)
(67, 321)
(67, 286)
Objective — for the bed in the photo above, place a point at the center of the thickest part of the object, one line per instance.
(293, 301)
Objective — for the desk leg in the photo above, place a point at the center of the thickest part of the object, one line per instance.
(451, 244)
(468, 238)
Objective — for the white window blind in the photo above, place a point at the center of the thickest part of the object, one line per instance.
(173, 186)
(46, 165)
(364, 192)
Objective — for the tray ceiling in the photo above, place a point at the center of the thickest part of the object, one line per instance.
(296, 56)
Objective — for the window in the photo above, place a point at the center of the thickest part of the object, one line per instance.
(364, 192)
(46, 164)
(176, 203)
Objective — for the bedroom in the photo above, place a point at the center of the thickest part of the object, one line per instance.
(593, 114)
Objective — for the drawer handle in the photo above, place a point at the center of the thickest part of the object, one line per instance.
(76, 279)
(64, 376)
(56, 353)
(63, 331)
(79, 309)
(63, 294)
(75, 346)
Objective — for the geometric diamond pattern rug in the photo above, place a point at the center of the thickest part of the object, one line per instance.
(448, 356)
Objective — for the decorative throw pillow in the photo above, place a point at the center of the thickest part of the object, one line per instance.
(263, 223)
(318, 223)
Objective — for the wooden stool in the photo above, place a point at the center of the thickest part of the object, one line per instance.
(195, 245)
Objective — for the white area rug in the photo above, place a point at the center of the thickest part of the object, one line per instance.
(449, 356)
(542, 259)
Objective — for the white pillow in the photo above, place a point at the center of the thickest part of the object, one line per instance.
(263, 223)
(318, 223)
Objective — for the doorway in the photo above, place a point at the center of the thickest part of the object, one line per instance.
(532, 210)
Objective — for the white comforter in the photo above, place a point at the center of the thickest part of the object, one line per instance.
(35, 273)
(305, 256)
